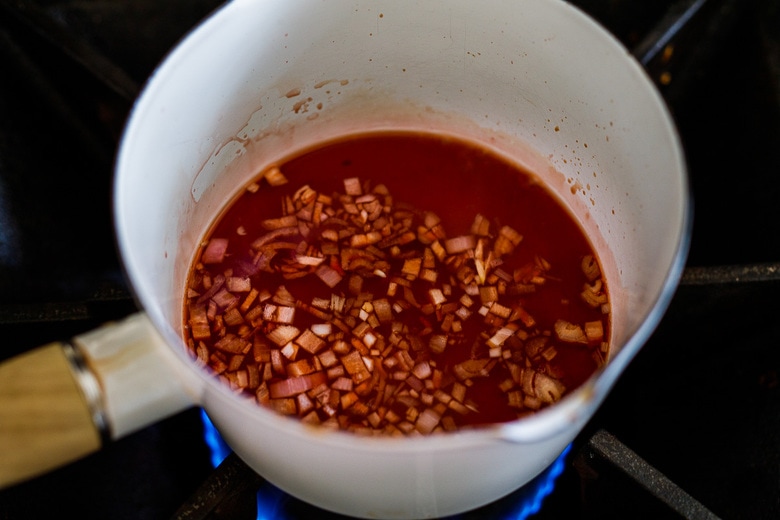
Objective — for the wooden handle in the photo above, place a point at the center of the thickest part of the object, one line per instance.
(45, 420)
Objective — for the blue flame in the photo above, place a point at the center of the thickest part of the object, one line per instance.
(217, 446)
(270, 502)
(520, 505)
(540, 488)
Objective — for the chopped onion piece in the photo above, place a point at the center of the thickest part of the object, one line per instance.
(215, 251)
(353, 363)
(310, 341)
(283, 334)
(278, 314)
(547, 389)
(322, 330)
(411, 267)
(438, 343)
(300, 368)
(473, 368)
(274, 176)
(283, 406)
(352, 186)
(427, 421)
(296, 385)
(594, 331)
(507, 240)
(460, 244)
(234, 344)
(500, 337)
(422, 370)
(330, 276)
(286, 221)
(436, 296)
(290, 350)
(569, 332)
(309, 260)
(590, 268)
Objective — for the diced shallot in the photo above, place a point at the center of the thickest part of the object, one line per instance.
(296, 385)
(460, 244)
(215, 251)
(427, 421)
(569, 332)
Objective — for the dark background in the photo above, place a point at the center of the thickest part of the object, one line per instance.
(702, 400)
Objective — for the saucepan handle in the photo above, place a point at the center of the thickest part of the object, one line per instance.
(45, 416)
(63, 401)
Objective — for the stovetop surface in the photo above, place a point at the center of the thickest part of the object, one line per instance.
(701, 402)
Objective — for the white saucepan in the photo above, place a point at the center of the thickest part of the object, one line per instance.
(537, 80)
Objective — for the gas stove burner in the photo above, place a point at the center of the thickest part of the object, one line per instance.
(275, 504)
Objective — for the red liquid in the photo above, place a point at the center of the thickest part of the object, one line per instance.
(456, 180)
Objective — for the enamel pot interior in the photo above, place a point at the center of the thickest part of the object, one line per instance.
(536, 80)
